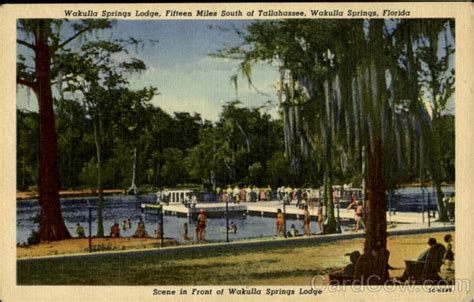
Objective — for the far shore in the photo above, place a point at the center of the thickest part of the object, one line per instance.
(27, 195)
(68, 193)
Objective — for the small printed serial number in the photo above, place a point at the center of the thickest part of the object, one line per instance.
(440, 290)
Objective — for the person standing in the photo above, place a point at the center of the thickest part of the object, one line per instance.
(280, 221)
(185, 234)
(359, 210)
(236, 194)
(320, 216)
(451, 207)
(262, 194)
(229, 192)
(201, 220)
(306, 222)
(242, 194)
(298, 194)
(268, 192)
(248, 194)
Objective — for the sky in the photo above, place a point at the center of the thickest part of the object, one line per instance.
(187, 78)
(179, 65)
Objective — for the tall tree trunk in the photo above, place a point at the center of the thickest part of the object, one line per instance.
(436, 162)
(376, 203)
(283, 104)
(100, 189)
(52, 225)
(436, 170)
(372, 266)
(330, 223)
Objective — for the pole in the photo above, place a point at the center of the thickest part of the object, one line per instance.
(390, 206)
(284, 215)
(429, 213)
(90, 228)
(338, 216)
(227, 220)
(162, 226)
(422, 206)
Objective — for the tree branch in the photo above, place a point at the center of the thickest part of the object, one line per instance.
(58, 46)
(26, 83)
(26, 44)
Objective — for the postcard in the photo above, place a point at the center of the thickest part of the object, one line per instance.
(235, 151)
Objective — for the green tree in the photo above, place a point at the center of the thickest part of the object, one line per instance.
(103, 88)
(173, 169)
(43, 38)
(439, 79)
(27, 149)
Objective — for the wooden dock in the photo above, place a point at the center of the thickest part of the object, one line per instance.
(211, 209)
(270, 208)
(261, 208)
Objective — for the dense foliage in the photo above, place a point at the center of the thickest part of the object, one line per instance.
(175, 150)
(360, 101)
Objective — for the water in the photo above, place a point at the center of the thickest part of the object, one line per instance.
(119, 208)
(414, 199)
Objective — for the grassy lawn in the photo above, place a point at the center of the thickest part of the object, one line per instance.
(270, 266)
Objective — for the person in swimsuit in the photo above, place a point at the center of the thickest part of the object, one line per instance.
(201, 219)
(115, 231)
(359, 213)
(280, 223)
(306, 222)
(320, 217)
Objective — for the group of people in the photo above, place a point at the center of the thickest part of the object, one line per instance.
(244, 194)
(201, 222)
(115, 231)
(430, 260)
(446, 252)
(289, 195)
(293, 232)
(254, 194)
(200, 227)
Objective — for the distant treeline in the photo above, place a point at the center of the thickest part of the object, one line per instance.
(245, 146)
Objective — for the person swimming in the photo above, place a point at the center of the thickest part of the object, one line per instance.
(233, 227)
